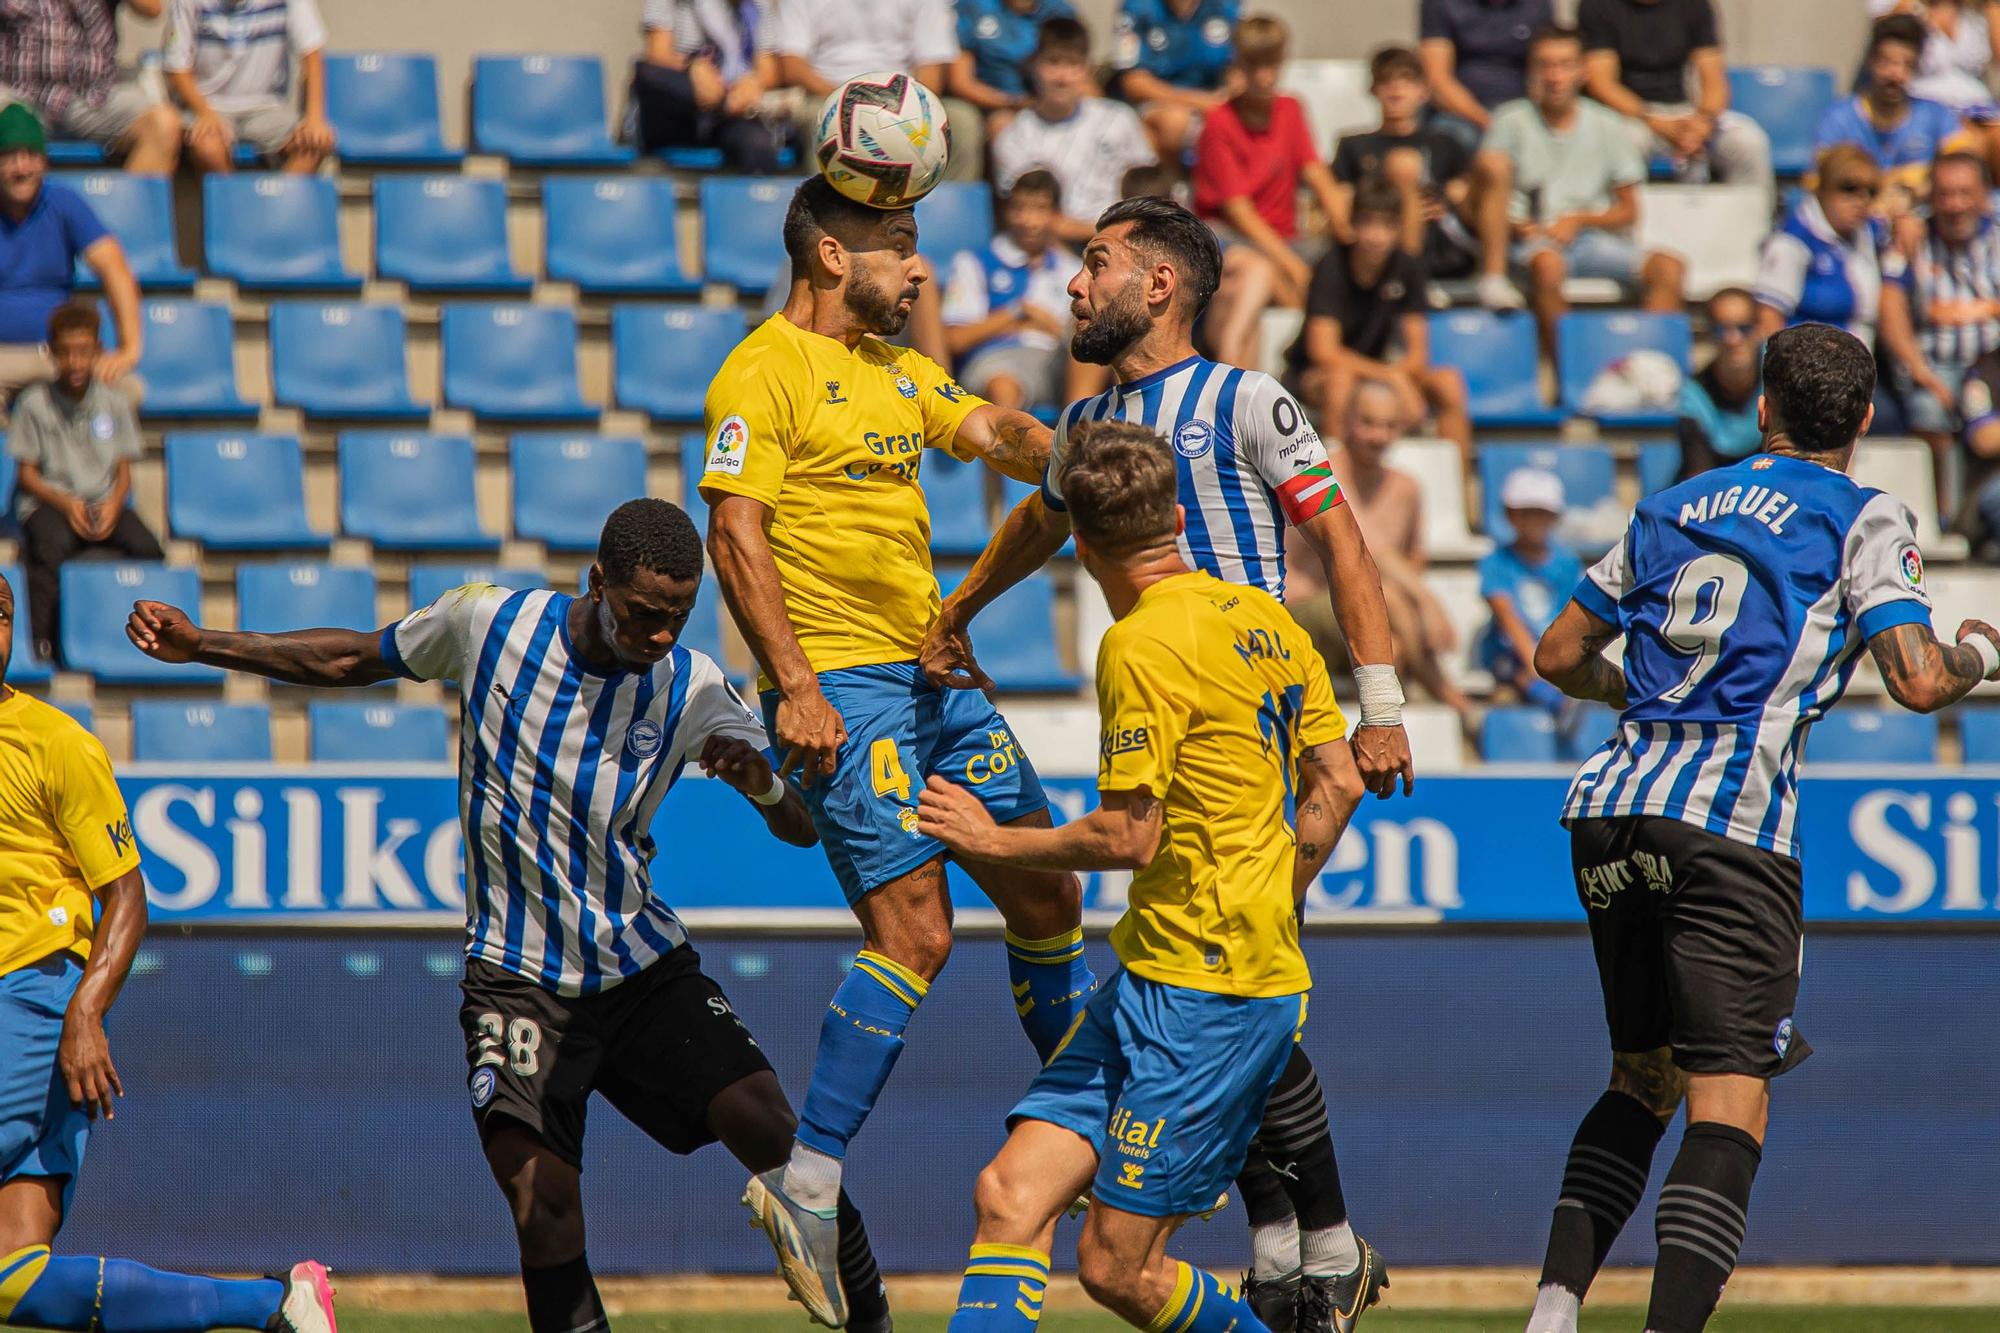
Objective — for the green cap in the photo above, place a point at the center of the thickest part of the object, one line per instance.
(20, 127)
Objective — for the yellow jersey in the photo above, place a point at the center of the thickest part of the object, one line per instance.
(1209, 691)
(64, 832)
(833, 441)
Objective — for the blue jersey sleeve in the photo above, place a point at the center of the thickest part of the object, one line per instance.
(1495, 573)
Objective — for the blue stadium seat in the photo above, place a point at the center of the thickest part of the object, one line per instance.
(139, 211)
(1518, 736)
(516, 362)
(543, 111)
(565, 485)
(1858, 734)
(1589, 474)
(444, 234)
(694, 461)
(1979, 733)
(613, 235)
(189, 361)
(80, 712)
(274, 231)
(342, 359)
(236, 492)
(1659, 465)
(1582, 729)
(184, 731)
(957, 215)
(1012, 492)
(370, 733)
(384, 109)
(955, 494)
(1015, 638)
(410, 492)
(743, 230)
(1588, 342)
(8, 471)
(97, 595)
(665, 355)
(27, 667)
(273, 596)
(430, 580)
(1500, 360)
(1787, 103)
(75, 153)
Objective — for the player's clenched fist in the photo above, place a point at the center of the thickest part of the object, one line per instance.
(163, 632)
(810, 734)
(738, 763)
(954, 816)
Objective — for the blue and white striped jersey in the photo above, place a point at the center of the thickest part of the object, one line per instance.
(1247, 457)
(1745, 595)
(561, 767)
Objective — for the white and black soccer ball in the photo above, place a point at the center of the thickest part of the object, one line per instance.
(883, 140)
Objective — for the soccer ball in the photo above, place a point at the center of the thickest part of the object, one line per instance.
(883, 140)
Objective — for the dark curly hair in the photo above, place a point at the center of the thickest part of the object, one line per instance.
(1818, 383)
(652, 535)
(1162, 229)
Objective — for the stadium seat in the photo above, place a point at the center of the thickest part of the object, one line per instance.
(955, 494)
(342, 359)
(1015, 637)
(274, 231)
(410, 492)
(664, 356)
(1857, 734)
(8, 472)
(543, 111)
(74, 153)
(181, 731)
(97, 595)
(703, 631)
(694, 460)
(430, 580)
(1511, 735)
(957, 215)
(515, 362)
(1718, 230)
(1501, 363)
(1906, 469)
(565, 485)
(1787, 103)
(384, 110)
(1979, 734)
(277, 595)
(1456, 588)
(1659, 465)
(235, 492)
(26, 667)
(1277, 329)
(139, 211)
(1590, 484)
(78, 711)
(613, 235)
(1582, 729)
(344, 732)
(743, 230)
(1439, 467)
(444, 234)
(1590, 342)
(189, 361)
(1335, 94)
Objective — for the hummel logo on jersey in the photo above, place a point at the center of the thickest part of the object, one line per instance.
(833, 394)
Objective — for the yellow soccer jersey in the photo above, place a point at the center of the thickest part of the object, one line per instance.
(64, 832)
(833, 441)
(1208, 692)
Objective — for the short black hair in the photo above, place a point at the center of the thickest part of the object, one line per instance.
(1040, 181)
(1907, 29)
(1062, 36)
(652, 535)
(817, 210)
(1554, 32)
(1395, 62)
(1165, 229)
(1377, 198)
(1818, 383)
(75, 317)
(1960, 157)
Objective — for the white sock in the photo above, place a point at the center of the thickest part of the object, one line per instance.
(1331, 1252)
(812, 1179)
(1274, 1249)
(1556, 1310)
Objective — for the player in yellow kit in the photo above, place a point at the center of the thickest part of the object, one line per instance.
(1213, 703)
(818, 436)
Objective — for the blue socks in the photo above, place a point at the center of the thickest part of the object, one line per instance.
(859, 1041)
(1202, 1303)
(1051, 980)
(1002, 1291)
(39, 1290)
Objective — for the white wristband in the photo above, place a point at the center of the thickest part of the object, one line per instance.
(1989, 656)
(775, 794)
(1381, 696)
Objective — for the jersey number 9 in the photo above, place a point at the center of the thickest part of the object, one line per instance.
(1705, 601)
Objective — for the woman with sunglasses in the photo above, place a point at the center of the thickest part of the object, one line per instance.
(1822, 265)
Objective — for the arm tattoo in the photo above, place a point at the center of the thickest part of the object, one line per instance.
(1020, 446)
(1922, 672)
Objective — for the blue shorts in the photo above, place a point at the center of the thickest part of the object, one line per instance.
(41, 1132)
(900, 730)
(1607, 255)
(1170, 1083)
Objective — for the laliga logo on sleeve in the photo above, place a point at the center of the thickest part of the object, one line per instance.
(482, 1086)
(732, 441)
(643, 740)
(1912, 564)
(1194, 439)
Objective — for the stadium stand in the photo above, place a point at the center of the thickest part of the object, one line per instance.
(955, 494)
(7, 474)
(407, 491)
(1497, 355)
(1518, 736)
(1787, 102)
(512, 362)
(344, 732)
(1589, 475)
(444, 234)
(564, 485)
(80, 712)
(342, 360)
(742, 231)
(430, 580)
(1581, 729)
(183, 732)
(1979, 734)
(275, 595)
(274, 232)
(139, 211)
(614, 236)
(237, 492)
(1335, 95)
(694, 457)
(1659, 465)
(543, 111)
(1907, 470)
(1016, 639)
(664, 356)
(1858, 734)
(384, 108)
(1588, 343)
(1717, 229)
(189, 361)
(957, 215)
(95, 643)
(26, 667)
(703, 631)
(1439, 467)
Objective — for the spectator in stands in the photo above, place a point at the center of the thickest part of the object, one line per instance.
(1979, 403)
(1475, 53)
(1718, 406)
(231, 70)
(1174, 60)
(1088, 142)
(1006, 308)
(1559, 181)
(707, 80)
(1525, 583)
(61, 58)
(823, 43)
(1641, 56)
(996, 39)
(74, 439)
(1902, 132)
(1431, 168)
(45, 229)
(1365, 324)
(1822, 265)
(1961, 43)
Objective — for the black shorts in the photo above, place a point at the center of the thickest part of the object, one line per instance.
(659, 1047)
(1698, 942)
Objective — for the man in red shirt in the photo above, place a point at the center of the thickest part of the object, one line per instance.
(1254, 152)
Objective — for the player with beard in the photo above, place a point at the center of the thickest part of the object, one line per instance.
(1248, 461)
(817, 432)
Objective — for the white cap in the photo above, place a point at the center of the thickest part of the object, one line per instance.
(1533, 488)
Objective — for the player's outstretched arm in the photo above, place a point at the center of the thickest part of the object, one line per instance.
(84, 1053)
(1381, 748)
(1329, 792)
(319, 657)
(1121, 834)
(741, 765)
(1571, 657)
(1011, 442)
(1028, 538)
(1924, 674)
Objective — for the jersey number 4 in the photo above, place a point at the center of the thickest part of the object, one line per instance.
(885, 763)
(1706, 599)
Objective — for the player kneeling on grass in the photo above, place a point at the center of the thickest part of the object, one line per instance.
(1213, 702)
(72, 910)
(578, 714)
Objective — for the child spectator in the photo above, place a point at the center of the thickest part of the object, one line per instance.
(1432, 169)
(1173, 60)
(1718, 406)
(1526, 582)
(996, 39)
(230, 68)
(1006, 308)
(1475, 54)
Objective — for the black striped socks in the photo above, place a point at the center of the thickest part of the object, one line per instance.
(1703, 1211)
(1609, 1161)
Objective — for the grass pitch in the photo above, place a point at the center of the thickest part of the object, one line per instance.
(1775, 1319)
